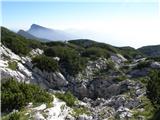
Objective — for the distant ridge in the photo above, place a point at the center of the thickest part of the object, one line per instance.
(151, 50)
(30, 36)
(50, 34)
(26, 34)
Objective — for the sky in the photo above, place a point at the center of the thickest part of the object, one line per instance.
(133, 23)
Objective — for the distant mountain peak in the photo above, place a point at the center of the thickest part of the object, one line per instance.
(35, 26)
(48, 33)
(20, 31)
(26, 34)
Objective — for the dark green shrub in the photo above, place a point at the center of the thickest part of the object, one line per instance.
(15, 95)
(129, 52)
(56, 51)
(12, 65)
(121, 78)
(111, 65)
(17, 43)
(45, 63)
(14, 116)
(86, 43)
(95, 52)
(14, 42)
(153, 88)
(154, 58)
(67, 97)
(80, 111)
(142, 65)
(70, 60)
(34, 44)
(55, 43)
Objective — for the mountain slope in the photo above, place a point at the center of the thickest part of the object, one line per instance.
(30, 36)
(50, 34)
(17, 43)
(152, 51)
(106, 87)
(129, 52)
(26, 34)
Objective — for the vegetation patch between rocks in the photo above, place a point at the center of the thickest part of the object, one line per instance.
(16, 95)
(45, 63)
(67, 97)
(12, 65)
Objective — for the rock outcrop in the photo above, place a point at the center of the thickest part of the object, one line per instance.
(103, 88)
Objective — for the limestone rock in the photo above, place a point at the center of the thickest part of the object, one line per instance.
(155, 65)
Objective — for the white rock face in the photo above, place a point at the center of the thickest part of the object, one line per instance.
(84, 117)
(59, 111)
(155, 64)
(124, 112)
(3, 63)
(41, 107)
(55, 79)
(56, 58)
(36, 52)
(118, 58)
(25, 71)
(21, 74)
(8, 53)
(92, 67)
(39, 116)
(8, 73)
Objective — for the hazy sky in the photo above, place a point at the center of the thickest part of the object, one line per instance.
(118, 22)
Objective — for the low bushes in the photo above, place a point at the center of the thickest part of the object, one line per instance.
(18, 44)
(12, 65)
(153, 88)
(70, 60)
(45, 63)
(67, 97)
(15, 95)
(80, 111)
(142, 65)
(14, 42)
(95, 52)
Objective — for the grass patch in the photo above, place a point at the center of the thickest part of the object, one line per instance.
(16, 116)
(80, 111)
(67, 97)
(121, 78)
(111, 65)
(12, 65)
(148, 111)
(142, 65)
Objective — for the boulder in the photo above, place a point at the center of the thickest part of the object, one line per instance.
(84, 117)
(36, 52)
(39, 116)
(8, 54)
(54, 79)
(139, 73)
(118, 58)
(69, 117)
(155, 65)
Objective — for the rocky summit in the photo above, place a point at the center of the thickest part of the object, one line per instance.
(76, 80)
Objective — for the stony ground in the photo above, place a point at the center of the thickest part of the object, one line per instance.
(109, 89)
